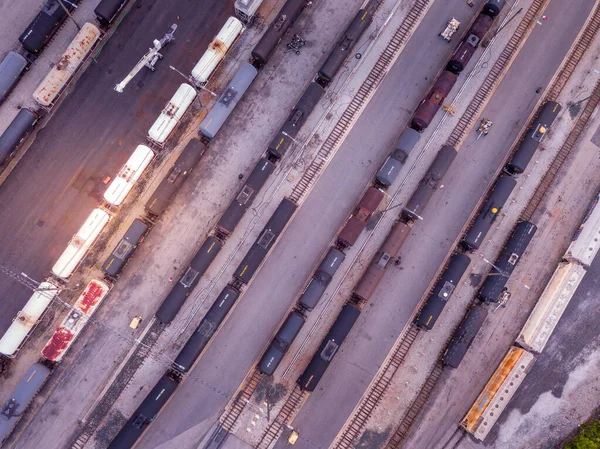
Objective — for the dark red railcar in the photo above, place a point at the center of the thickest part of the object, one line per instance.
(433, 101)
(358, 220)
(465, 51)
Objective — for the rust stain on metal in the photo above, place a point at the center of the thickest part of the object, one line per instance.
(90, 297)
(58, 343)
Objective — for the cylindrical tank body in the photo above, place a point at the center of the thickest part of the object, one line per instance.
(464, 335)
(406, 143)
(11, 68)
(358, 220)
(465, 51)
(433, 101)
(285, 336)
(107, 10)
(493, 7)
(16, 133)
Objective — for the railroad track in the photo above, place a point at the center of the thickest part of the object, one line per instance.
(360, 100)
(292, 404)
(229, 419)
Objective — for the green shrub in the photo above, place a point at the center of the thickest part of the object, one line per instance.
(588, 437)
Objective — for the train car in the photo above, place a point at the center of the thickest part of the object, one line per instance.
(466, 49)
(21, 397)
(497, 393)
(489, 212)
(387, 253)
(222, 109)
(113, 266)
(507, 261)
(280, 344)
(77, 318)
(464, 335)
(342, 49)
(46, 23)
(245, 9)
(442, 291)
(144, 415)
(128, 175)
(206, 329)
(12, 68)
(321, 279)
(188, 280)
(430, 183)
(108, 10)
(245, 197)
(389, 171)
(27, 318)
(359, 218)
(216, 51)
(550, 307)
(80, 244)
(313, 373)
(493, 7)
(586, 242)
(59, 76)
(433, 101)
(289, 130)
(285, 19)
(533, 137)
(171, 115)
(170, 185)
(265, 241)
(16, 133)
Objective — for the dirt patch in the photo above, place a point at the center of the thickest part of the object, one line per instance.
(373, 440)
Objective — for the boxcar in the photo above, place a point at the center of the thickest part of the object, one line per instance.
(284, 138)
(21, 397)
(245, 9)
(338, 55)
(206, 329)
(313, 373)
(493, 7)
(46, 23)
(430, 183)
(190, 278)
(113, 266)
(532, 138)
(490, 210)
(387, 252)
(16, 133)
(142, 417)
(507, 261)
(359, 218)
(390, 169)
(171, 114)
(281, 343)
(321, 279)
(265, 241)
(442, 291)
(245, 197)
(464, 335)
(466, 49)
(223, 108)
(107, 10)
(128, 175)
(11, 69)
(286, 17)
(170, 185)
(433, 101)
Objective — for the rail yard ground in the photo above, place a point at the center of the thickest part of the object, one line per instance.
(187, 421)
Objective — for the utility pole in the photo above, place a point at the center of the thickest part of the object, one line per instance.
(60, 2)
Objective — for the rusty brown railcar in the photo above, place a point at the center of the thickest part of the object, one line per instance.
(433, 101)
(465, 51)
(387, 253)
(358, 220)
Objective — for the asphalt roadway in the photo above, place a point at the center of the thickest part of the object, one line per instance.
(60, 180)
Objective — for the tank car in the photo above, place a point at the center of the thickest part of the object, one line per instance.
(144, 415)
(507, 261)
(321, 279)
(284, 138)
(16, 133)
(12, 68)
(206, 329)
(442, 291)
(281, 343)
(244, 199)
(313, 373)
(385, 255)
(389, 171)
(188, 280)
(285, 19)
(490, 210)
(113, 266)
(265, 241)
(359, 218)
(433, 101)
(493, 7)
(107, 10)
(342, 49)
(430, 183)
(466, 49)
(463, 336)
(532, 138)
